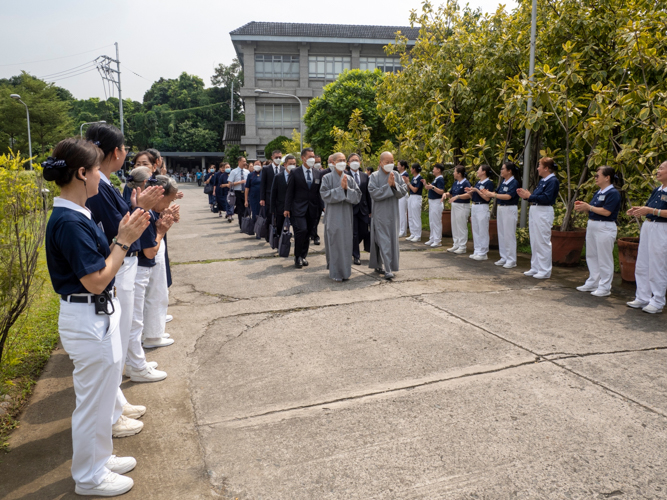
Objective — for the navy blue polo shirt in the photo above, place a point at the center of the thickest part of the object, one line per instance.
(546, 192)
(148, 239)
(127, 195)
(417, 182)
(458, 189)
(75, 247)
(486, 184)
(609, 200)
(439, 182)
(510, 189)
(406, 176)
(658, 200)
(108, 208)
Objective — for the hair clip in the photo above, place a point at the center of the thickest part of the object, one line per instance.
(97, 143)
(52, 162)
(151, 181)
(129, 178)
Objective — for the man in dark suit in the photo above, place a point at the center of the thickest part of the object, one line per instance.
(303, 204)
(279, 190)
(268, 173)
(362, 210)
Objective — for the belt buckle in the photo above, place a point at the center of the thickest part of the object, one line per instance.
(114, 292)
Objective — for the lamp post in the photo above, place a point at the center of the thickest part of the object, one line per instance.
(27, 113)
(260, 91)
(88, 123)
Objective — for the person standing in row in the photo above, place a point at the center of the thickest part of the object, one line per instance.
(340, 193)
(253, 187)
(435, 192)
(237, 180)
(303, 205)
(269, 172)
(362, 210)
(310, 163)
(82, 267)
(208, 179)
(651, 267)
(403, 202)
(318, 162)
(507, 202)
(279, 191)
(480, 214)
(415, 188)
(221, 188)
(541, 218)
(386, 187)
(460, 203)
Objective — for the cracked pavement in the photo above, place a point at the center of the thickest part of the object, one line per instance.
(456, 380)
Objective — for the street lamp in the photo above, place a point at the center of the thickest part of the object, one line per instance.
(260, 91)
(27, 113)
(88, 123)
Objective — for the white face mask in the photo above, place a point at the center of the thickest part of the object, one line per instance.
(340, 166)
(276, 161)
(257, 168)
(354, 165)
(318, 165)
(310, 162)
(289, 167)
(331, 165)
(388, 167)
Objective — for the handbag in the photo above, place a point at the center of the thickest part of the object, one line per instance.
(208, 189)
(247, 225)
(273, 237)
(231, 198)
(285, 244)
(260, 230)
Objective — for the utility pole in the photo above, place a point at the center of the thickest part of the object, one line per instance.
(112, 76)
(120, 95)
(232, 101)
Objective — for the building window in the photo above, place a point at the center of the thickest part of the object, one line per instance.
(384, 64)
(327, 67)
(276, 67)
(278, 115)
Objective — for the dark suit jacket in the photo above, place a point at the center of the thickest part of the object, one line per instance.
(278, 192)
(364, 206)
(300, 200)
(267, 182)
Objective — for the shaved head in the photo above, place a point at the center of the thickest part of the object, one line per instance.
(330, 160)
(337, 157)
(386, 157)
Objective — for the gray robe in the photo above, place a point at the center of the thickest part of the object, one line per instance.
(339, 223)
(385, 219)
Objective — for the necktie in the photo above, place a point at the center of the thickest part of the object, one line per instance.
(356, 178)
(275, 169)
(308, 177)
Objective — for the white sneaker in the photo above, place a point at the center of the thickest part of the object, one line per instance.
(530, 272)
(429, 242)
(125, 427)
(509, 265)
(542, 276)
(452, 250)
(408, 238)
(477, 256)
(500, 262)
(133, 411)
(436, 244)
(148, 375)
(460, 251)
(165, 335)
(402, 235)
(637, 304)
(152, 364)
(584, 288)
(651, 309)
(601, 293)
(112, 485)
(168, 318)
(159, 342)
(120, 465)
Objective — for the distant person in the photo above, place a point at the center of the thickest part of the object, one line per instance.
(269, 172)
(279, 191)
(403, 202)
(198, 176)
(480, 213)
(237, 179)
(362, 210)
(507, 202)
(435, 191)
(253, 189)
(415, 188)
(460, 204)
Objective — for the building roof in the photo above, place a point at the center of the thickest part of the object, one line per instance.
(306, 30)
(233, 132)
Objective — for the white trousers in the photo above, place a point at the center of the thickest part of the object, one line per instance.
(651, 266)
(507, 218)
(125, 292)
(403, 216)
(136, 357)
(415, 215)
(479, 221)
(157, 298)
(600, 239)
(93, 344)
(460, 214)
(540, 222)
(435, 219)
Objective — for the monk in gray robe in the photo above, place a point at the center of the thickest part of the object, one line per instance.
(340, 193)
(386, 187)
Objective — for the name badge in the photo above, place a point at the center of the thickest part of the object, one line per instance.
(101, 226)
(317, 181)
(505, 188)
(602, 197)
(664, 197)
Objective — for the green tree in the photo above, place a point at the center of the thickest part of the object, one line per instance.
(277, 143)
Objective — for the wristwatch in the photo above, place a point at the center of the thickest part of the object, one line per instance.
(116, 242)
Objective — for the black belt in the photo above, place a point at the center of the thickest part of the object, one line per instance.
(538, 205)
(84, 299)
(132, 254)
(480, 203)
(658, 221)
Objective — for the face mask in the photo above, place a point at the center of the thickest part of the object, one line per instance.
(331, 165)
(211, 170)
(388, 167)
(257, 168)
(354, 165)
(289, 167)
(276, 161)
(318, 165)
(310, 162)
(340, 166)
(227, 170)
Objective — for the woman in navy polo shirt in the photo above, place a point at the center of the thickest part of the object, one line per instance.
(402, 168)
(651, 267)
(601, 233)
(481, 214)
(435, 192)
(416, 186)
(460, 202)
(507, 202)
(82, 269)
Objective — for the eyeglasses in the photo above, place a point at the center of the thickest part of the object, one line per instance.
(596, 176)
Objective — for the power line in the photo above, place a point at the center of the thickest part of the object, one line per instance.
(55, 58)
(71, 70)
(72, 76)
(125, 66)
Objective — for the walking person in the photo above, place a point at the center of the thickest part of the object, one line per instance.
(601, 233)
(221, 188)
(237, 179)
(507, 202)
(651, 267)
(435, 192)
(303, 205)
(279, 192)
(541, 218)
(253, 187)
(82, 267)
(403, 202)
(208, 179)
(386, 187)
(362, 210)
(269, 172)
(460, 203)
(198, 176)
(480, 213)
(415, 188)
(340, 193)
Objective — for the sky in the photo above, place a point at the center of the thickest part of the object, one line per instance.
(159, 38)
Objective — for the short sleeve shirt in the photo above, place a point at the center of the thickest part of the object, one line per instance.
(610, 200)
(148, 239)
(485, 184)
(458, 189)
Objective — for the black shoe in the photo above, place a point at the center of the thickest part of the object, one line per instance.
(379, 270)
(304, 262)
(316, 240)
(357, 262)
(298, 262)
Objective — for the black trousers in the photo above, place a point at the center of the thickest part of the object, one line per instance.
(240, 205)
(303, 228)
(313, 232)
(280, 220)
(269, 217)
(361, 233)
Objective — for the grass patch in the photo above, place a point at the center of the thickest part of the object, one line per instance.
(29, 345)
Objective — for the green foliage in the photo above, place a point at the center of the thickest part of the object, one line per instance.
(277, 143)
(232, 154)
(293, 146)
(115, 181)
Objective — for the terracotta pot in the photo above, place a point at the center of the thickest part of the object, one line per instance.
(627, 257)
(493, 234)
(447, 223)
(566, 246)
